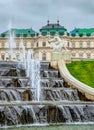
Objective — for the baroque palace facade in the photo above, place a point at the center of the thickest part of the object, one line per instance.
(80, 42)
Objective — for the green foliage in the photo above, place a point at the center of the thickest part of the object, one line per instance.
(83, 71)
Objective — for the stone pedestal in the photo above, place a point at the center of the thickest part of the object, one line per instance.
(56, 56)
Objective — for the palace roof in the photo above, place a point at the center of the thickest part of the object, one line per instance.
(53, 29)
(82, 31)
(19, 32)
(49, 28)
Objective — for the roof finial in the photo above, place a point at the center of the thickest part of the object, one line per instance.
(48, 22)
(58, 22)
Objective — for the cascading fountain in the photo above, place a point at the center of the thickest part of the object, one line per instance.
(32, 92)
(57, 103)
(32, 70)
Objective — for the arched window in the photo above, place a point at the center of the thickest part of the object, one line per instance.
(37, 55)
(80, 44)
(88, 55)
(24, 44)
(88, 44)
(73, 54)
(80, 55)
(44, 56)
(17, 45)
(37, 44)
(18, 57)
(68, 44)
(2, 56)
(2, 45)
(32, 45)
(44, 44)
(73, 45)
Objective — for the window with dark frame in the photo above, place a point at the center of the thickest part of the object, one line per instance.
(2, 56)
(44, 56)
(44, 44)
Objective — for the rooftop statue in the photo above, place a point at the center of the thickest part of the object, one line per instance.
(57, 44)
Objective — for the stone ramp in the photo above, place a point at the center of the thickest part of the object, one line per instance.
(74, 83)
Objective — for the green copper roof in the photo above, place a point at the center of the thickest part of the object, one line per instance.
(83, 31)
(19, 32)
(44, 30)
(52, 29)
(61, 31)
(52, 26)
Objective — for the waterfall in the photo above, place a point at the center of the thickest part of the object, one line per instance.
(33, 72)
(21, 102)
(11, 42)
(22, 47)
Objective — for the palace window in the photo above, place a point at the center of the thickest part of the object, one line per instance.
(17, 45)
(37, 55)
(88, 44)
(73, 45)
(88, 55)
(44, 44)
(24, 35)
(68, 44)
(2, 56)
(44, 56)
(24, 44)
(2, 45)
(37, 44)
(18, 57)
(73, 54)
(32, 45)
(80, 55)
(81, 45)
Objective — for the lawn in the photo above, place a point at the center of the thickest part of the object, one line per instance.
(83, 71)
(56, 127)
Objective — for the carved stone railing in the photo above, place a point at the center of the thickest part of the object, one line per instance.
(56, 56)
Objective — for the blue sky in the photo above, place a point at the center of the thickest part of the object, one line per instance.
(35, 13)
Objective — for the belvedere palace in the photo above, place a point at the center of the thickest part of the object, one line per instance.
(80, 42)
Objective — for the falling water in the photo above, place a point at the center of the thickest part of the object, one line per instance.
(58, 104)
(37, 79)
(33, 72)
(10, 41)
(23, 53)
(32, 68)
